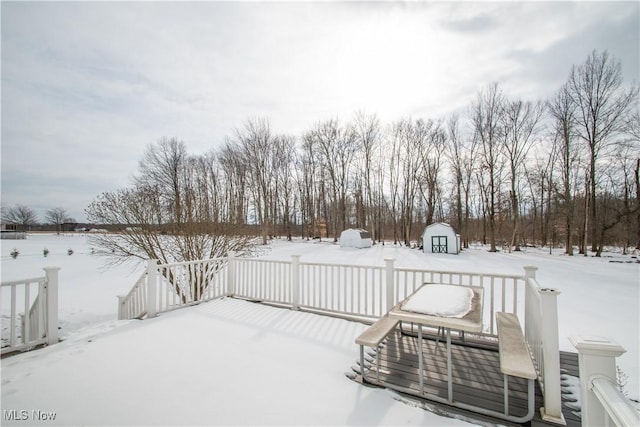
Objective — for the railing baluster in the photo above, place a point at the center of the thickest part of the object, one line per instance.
(14, 316)
(515, 296)
(504, 296)
(26, 330)
(491, 322)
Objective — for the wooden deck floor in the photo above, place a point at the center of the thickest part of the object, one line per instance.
(477, 379)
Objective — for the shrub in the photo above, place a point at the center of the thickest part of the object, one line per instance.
(70, 252)
(45, 252)
(14, 253)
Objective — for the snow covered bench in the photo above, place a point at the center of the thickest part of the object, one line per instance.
(372, 337)
(515, 360)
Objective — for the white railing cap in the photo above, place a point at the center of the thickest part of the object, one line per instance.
(618, 407)
(598, 346)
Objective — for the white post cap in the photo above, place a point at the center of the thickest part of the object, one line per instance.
(597, 346)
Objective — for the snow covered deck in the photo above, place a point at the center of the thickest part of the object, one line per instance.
(224, 362)
(233, 354)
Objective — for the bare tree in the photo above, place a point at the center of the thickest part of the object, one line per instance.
(20, 215)
(395, 172)
(255, 139)
(601, 104)
(235, 176)
(562, 111)
(57, 217)
(162, 167)
(336, 148)
(487, 113)
(633, 131)
(519, 125)
(306, 172)
(157, 227)
(283, 164)
(368, 133)
(454, 154)
(431, 151)
(409, 139)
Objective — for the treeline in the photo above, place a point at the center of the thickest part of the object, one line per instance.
(24, 218)
(510, 172)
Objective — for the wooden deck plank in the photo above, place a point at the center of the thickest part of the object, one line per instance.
(477, 379)
(474, 385)
(464, 371)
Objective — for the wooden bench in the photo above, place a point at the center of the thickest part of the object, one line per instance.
(515, 360)
(372, 337)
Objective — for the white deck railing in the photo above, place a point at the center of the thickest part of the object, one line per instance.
(541, 332)
(355, 292)
(619, 410)
(29, 311)
(134, 304)
(164, 287)
(603, 403)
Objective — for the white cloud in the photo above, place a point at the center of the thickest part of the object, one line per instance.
(86, 86)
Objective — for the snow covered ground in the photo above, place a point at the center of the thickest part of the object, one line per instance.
(231, 362)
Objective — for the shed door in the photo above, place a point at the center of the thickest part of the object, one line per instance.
(439, 244)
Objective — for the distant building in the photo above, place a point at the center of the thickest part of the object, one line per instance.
(440, 238)
(10, 232)
(355, 238)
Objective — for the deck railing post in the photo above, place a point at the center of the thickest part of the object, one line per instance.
(552, 409)
(231, 274)
(596, 356)
(389, 269)
(52, 304)
(152, 287)
(530, 271)
(295, 282)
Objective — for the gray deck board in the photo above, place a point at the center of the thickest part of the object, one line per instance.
(477, 379)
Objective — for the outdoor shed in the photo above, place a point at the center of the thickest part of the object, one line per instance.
(355, 238)
(440, 238)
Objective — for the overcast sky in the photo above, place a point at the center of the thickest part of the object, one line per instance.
(87, 86)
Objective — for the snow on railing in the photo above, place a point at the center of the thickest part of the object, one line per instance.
(37, 323)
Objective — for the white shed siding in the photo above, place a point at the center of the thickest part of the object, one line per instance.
(440, 237)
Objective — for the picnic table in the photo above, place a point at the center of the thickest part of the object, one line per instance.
(424, 307)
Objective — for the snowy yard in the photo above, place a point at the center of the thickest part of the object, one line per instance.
(231, 362)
